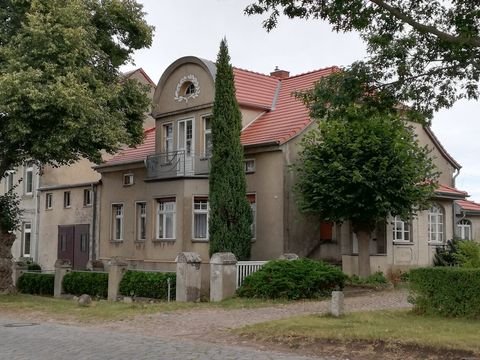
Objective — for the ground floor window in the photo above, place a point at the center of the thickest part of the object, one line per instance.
(166, 218)
(27, 239)
(141, 220)
(464, 229)
(436, 223)
(117, 222)
(200, 218)
(401, 230)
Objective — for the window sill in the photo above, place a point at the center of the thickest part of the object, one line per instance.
(436, 243)
(200, 240)
(403, 243)
(163, 240)
(116, 241)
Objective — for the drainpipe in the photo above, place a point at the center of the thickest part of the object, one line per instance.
(94, 222)
(455, 177)
(454, 217)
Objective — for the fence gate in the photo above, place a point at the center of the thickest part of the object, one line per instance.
(245, 268)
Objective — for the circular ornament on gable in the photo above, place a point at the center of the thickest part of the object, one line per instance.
(187, 88)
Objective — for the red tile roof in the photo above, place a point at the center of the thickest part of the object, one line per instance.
(289, 116)
(448, 190)
(134, 154)
(468, 205)
(254, 89)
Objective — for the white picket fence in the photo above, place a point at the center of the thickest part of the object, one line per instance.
(245, 268)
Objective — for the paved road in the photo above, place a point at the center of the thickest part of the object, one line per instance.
(60, 342)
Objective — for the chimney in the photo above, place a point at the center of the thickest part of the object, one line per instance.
(280, 74)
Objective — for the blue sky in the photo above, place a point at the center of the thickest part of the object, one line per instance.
(192, 27)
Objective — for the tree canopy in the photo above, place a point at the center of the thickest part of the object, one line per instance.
(230, 214)
(428, 52)
(62, 95)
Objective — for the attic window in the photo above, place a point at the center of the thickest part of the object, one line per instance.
(189, 89)
(127, 179)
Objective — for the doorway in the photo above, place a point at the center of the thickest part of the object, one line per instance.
(74, 244)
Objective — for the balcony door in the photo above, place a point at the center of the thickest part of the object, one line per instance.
(185, 146)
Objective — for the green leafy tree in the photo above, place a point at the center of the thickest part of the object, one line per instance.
(230, 214)
(62, 95)
(363, 163)
(428, 51)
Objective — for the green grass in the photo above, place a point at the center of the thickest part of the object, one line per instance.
(395, 327)
(62, 309)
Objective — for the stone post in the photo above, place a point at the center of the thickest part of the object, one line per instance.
(289, 256)
(189, 276)
(337, 307)
(62, 268)
(223, 276)
(18, 269)
(115, 273)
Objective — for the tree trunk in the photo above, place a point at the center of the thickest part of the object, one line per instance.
(363, 238)
(6, 242)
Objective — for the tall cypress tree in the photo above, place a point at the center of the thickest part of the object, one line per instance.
(230, 213)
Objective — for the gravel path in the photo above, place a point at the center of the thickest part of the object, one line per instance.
(211, 324)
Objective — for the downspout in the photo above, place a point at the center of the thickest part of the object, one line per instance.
(37, 220)
(454, 217)
(455, 177)
(94, 222)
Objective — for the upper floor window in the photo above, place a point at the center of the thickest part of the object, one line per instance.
(29, 179)
(464, 229)
(168, 138)
(249, 165)
(117, 222)
(189, 88)
(66, 199)
(127, 179)
(207, 133)
(87, 197)
(401, 230)
(9, 180)
(436, 223)
(48, 201)
(200, 218)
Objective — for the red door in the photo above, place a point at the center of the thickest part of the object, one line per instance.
(73, 244)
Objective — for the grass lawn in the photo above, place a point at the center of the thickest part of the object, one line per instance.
(395, 327)
(62, 309)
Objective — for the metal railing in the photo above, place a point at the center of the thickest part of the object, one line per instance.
(177, 163)
(245, 268)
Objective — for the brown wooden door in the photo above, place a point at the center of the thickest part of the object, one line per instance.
(65, 242)
(81, 242)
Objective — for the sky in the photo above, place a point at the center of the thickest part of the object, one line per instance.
(196, 27)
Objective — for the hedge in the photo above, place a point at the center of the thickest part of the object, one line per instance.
(446, 291)
(147, 284)
(36, 283)
(293, 279)
(91, 283)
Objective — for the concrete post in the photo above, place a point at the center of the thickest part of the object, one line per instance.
(189, 276)
(115, 273)
(337, 307)
(223, 276)
(17, 270)
(62, 268)
(289, 256)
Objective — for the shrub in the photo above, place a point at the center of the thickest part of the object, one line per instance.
(36, 284)
(375, 279)
(293, 279)
(91, 283)
(444, 255)
(446, 291)
(34, 267)
(147, 284)
(468, 254)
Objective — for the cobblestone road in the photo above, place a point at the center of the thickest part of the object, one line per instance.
(60, 342)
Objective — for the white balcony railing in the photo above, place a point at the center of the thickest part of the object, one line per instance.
(177, 163)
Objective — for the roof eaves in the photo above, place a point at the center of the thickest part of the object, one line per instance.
(119, 163)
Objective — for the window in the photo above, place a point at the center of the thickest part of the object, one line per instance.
(189, 89)
(87, 197)
(168, 140)
(27, 238)
(464, 229)
(63, 242)
(127, 179)
(117, 222)
(29, 179)
(401, 230)
(249, 165)
(166, 219)
(84, 243)
(48, 201)
(200, 218)
(207, 140)
(9, 180)
(435, 224)
(66, 199)
(253, 207)
(141, 221)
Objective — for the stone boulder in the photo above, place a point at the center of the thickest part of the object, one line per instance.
(84, 300)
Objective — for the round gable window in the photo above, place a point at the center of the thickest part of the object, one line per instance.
(187, 88)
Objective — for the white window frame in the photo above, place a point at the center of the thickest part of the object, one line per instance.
(117, 216)
(87, 200)
(182, 137)
(403, 227)
(29, 173)
(245, 166)
(9, 180)
(67, 195)
(49, 201)
(168, 139)
(436, 224)
(162, 214)
(206, 211)
(206, 132)
(462, 226)
(128, 179)
(141, 217)
(24, 232)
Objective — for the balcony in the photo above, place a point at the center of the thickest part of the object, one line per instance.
(177, 164)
